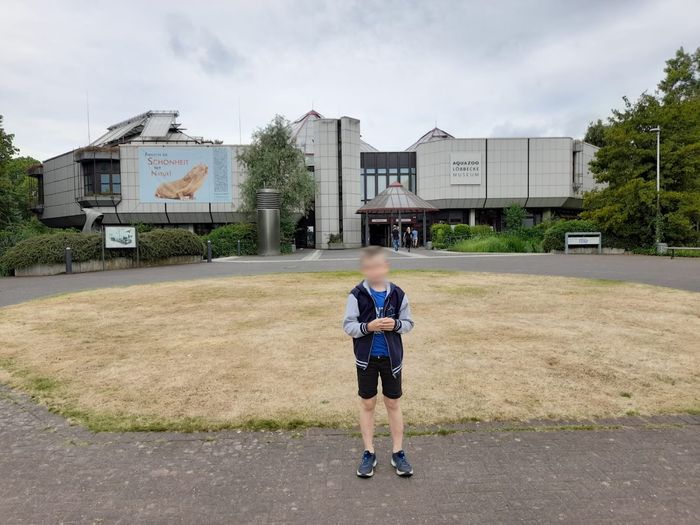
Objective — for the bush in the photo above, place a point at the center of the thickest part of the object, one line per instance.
(462, 230)
(50, 248)
(161, 244)
(504, 243)
(514, 216)
(554, 236)
(439, 234)
(224, 240)
(24, 230)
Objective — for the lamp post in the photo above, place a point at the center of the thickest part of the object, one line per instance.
(657, 129)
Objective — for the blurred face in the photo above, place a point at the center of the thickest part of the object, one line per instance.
(375, 269)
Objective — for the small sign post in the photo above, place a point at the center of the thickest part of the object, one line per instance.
(580, 239)
(120, 237)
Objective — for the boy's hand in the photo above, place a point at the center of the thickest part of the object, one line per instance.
(381, 324)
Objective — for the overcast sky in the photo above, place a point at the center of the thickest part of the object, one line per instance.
(489, 68)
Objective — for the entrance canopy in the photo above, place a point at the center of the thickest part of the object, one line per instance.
(396, 200)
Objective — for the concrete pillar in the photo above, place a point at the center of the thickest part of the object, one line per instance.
(547, 214)
(472, 217)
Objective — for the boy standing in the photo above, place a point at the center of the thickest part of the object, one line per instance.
(376, 314)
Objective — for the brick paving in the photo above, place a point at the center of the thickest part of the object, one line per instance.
(634, 470)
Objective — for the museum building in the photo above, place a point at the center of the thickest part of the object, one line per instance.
(147, 169)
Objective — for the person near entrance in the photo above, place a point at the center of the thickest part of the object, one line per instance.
(414, 235)
(407, 238)
(377, 314)
(395, 238)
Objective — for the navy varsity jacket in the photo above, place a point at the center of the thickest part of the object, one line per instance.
(360, 310)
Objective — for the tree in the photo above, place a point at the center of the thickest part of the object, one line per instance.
(274, 161)
(626, 162)
(595, 134)
(514, 216)
(14, 182)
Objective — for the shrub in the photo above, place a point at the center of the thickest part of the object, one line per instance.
(224, 239)
(514, 216)
(161, 244)
(439, 234)
(50, 248)
(462, 230)
(554, 236)
(15, 233)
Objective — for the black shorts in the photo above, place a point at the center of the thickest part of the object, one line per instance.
(368, 379)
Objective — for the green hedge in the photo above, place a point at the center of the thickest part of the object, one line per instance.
(224, 240)
(50, 248)
(161, 244)
(462, 230)
(554, 236)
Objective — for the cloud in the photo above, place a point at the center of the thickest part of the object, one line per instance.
(513, 67)
(201, 46)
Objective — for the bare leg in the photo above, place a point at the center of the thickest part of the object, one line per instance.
(393, 409)
(367, 422)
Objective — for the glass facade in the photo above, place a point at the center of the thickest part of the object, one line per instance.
(379, 169)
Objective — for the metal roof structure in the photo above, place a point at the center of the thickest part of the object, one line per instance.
(150, 126)
(303, 133)
(433, 135)
(397, 199)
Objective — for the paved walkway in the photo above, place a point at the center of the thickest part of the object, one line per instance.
(632, 471)
(683, 273)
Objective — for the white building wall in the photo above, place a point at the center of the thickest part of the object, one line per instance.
(326, 175)
(352, 184)
(588, 154)
(506, 172)
(551, 168)
(433, 165)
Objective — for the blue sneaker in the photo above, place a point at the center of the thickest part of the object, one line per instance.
(366, 468)
(401, 464)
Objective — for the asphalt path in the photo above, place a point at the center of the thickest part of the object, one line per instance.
(681, 273)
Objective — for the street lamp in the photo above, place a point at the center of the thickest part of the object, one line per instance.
(657, 129)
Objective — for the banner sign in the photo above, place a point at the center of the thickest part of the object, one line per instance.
(465, 167)
(120, 237)
(185, 174)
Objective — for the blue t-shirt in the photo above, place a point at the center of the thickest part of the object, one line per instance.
(379, 346)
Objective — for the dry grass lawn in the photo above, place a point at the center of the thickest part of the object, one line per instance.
(232, 352)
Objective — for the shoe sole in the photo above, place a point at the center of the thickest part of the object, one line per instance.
(359, 475)
(401, 474)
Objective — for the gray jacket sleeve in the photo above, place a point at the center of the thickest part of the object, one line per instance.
(351, 325)
(404, 323)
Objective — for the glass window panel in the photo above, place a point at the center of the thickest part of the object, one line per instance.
(104, 178)
(116, 179)
(381, 170)
(370, 187)
(381, 184)
(393, 178)
(104, 188)
(413, 170)
(404, 170)
(116, 188)
(393, 170)
(370, 170)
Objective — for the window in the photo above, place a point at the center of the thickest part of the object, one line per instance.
(381, 184)
(101, 177)
(370, 187)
